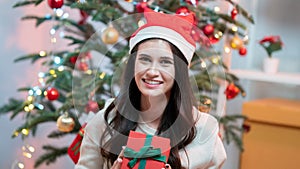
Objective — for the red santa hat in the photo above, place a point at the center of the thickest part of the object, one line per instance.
(176, 29)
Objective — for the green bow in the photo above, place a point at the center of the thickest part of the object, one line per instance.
(145, 152)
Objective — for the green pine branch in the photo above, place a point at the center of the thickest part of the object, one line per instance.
(232, 130)
(52, 153)
(57, 134)
(74, 40)
(34, 57)
(15, 106)
(25, 3)
(39, 20)
(34, 121)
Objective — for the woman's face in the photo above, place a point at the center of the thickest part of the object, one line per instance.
(154, 68)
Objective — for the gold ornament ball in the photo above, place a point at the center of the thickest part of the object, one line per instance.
(204, 108)
(236, 43)
(110, 35)
(205, 105)
(65, 123)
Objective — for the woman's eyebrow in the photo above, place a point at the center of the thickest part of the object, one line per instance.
(167, 57)
(143, 54)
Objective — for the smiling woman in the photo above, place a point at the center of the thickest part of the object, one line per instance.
(156, 98)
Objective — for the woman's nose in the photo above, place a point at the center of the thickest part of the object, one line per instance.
(152, 72)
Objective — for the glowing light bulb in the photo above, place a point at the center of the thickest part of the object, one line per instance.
(42, 53)
(89, 72)
(38, 92)
(52, 71)
(21, 165)
(41, 74)
(52, 31)
(234, 28)
(65, 15)
(31, 106)
(16, 133)
(57, 60)
(26, 154)
(227, 49)
(203, 64)
(217, 36)
(217, 9)
(61, 68)
(25, 132)
(102, 75)
(26, 108)
(220, 33)
(41, 80)
(62, 34)
(30, 148)
(215, 60)
(53, 40)
(39, 106)
(30, 98)
(30, 92)
(59, 12)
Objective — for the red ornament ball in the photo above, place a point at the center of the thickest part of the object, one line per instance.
(213, 39)
(243, 51)
(208, 29)
(91, 106)
(52, 94)
(195, 33)
(83, 66)
(73, 59)
(140, 7)
(231, 91)
(55, 3)
(183, 10)
(234, 12)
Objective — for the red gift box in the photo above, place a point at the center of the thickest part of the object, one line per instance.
(145, 151)
(74, 148)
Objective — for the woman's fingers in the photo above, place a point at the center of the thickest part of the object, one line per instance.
(117, 164)
(167, 166)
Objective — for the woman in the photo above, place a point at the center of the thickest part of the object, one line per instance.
(155, 98)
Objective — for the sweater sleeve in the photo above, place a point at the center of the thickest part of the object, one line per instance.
(90, 155)
(219, 154)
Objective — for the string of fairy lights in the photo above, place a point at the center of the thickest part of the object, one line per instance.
(38, 92)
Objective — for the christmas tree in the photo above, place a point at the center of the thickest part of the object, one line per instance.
(80, 80)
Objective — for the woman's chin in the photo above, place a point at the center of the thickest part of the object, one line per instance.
(153, 93)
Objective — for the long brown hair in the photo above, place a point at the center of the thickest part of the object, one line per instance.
(177, 121)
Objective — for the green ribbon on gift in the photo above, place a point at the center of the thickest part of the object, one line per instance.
(147, 151)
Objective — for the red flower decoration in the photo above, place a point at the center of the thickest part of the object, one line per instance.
(271, 44)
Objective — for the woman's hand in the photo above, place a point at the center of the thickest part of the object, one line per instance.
(117, 164)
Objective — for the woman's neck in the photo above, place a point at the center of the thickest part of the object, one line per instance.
(152, 109)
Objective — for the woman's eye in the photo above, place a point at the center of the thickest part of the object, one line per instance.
(166, 62)
(145, 59)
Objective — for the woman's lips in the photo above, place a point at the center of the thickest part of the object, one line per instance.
(152, 83)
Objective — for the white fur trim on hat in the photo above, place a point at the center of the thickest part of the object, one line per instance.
(164, 33)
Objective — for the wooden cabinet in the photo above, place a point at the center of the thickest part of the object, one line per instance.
(274, 139)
